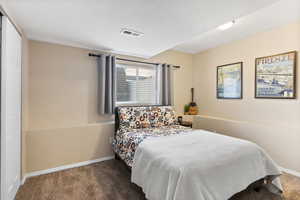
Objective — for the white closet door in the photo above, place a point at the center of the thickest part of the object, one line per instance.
(10, 110)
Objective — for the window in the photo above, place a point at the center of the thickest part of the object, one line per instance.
(137, 84)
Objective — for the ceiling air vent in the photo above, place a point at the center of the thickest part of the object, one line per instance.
(130, 32)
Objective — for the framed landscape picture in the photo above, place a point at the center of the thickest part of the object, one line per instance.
(275, 76)
(229, 81)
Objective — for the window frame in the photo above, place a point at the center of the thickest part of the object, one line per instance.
(156, 87)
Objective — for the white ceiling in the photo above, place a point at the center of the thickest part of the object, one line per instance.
(277, 14)
(96, 24)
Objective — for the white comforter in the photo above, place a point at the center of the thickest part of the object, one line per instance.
(199, 165)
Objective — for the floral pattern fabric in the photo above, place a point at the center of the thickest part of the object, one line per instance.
(127, 140)
(134, 117)
(146, 117)
(139, 123)
(163, 116)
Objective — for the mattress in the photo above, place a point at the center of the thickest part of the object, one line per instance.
(127, 140)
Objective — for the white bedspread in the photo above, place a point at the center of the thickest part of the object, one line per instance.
(199, 165)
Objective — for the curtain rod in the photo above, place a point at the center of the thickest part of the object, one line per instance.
(128, 60)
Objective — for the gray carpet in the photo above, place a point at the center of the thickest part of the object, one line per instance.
(110, 180)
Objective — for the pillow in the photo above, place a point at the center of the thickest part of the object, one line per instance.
(134, 117)
(162, 116)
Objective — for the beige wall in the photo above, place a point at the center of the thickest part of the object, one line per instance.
(274, 124)
(63, 125)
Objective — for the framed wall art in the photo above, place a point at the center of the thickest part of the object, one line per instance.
(275, 76)
(229, 81)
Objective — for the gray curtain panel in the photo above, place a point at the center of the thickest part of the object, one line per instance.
(106, 85)
(166, 90)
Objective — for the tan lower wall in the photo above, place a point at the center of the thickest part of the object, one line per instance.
(55, 147)
(281, 142)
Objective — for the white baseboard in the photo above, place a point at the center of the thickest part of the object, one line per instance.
(289, 171)
(88, 162)
(63, 167)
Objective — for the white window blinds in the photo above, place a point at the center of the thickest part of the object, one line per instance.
(137, 84)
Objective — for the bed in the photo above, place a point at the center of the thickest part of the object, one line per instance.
(172, 162)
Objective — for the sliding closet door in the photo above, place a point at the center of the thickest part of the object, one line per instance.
(10, 110)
